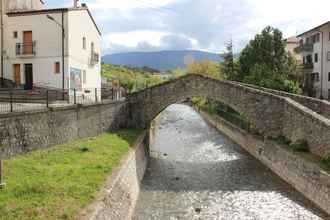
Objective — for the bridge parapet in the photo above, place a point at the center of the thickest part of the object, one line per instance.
(272, 115)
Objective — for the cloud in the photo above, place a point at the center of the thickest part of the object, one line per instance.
(198, 24)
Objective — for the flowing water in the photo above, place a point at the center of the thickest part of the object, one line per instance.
(195, 172)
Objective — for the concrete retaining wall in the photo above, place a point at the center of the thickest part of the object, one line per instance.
(305, 176)
(118, 198)
(24, 132)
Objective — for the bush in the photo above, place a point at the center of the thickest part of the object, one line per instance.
(326, 160)
(300, 146)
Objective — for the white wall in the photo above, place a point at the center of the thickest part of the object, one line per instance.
(48, 47)
(80, 26)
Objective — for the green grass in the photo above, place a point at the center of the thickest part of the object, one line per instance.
(58, 182)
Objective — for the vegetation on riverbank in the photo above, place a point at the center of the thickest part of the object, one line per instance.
(56, 183)
(132, 79)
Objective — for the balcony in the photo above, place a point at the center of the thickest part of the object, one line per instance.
(304, 48)
(95, 59)
(308, 66)
(26, 49)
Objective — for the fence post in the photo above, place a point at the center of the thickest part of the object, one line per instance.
(47, 98)
(2, 183)
(74, 96)
(96, 98)
(11, 100)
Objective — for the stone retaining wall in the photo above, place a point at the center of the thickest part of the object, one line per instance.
(118, 198)
(24, 132)
(305, 176)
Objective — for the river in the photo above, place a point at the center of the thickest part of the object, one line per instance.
(195, 172)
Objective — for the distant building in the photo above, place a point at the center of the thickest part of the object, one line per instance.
(291, 44)
(314, 49)
(51, 48)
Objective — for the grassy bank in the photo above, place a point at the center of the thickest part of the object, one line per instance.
(56, 183)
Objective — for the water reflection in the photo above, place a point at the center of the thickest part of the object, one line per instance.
(195, 172)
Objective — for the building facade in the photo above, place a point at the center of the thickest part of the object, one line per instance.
(314, 49)
(51, 48)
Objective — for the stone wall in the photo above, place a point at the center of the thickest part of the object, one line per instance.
(305, 176)
(23, 132)
(321, 107)
(118, 198)
(270, 114)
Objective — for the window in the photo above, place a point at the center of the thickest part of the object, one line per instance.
(84, 43)
(317, 77)
(307, 40)
(84, 76)
(316, 58)
(329, 94)
(328, 55)
(316, 38)
(57, 67)
(15, 34)
(329, 76)
(304, 60)
(92, 47)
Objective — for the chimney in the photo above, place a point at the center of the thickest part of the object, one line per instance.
(75, 3)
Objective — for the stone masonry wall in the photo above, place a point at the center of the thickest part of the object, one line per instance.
(305, 176)
(23, 132)
(321, 107)
(270, 114)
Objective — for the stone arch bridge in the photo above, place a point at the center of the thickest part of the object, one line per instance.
(272, 113)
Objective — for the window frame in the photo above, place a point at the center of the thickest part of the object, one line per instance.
(57, 67)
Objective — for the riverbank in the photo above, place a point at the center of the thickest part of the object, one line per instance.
(303, 174)
(57, 183)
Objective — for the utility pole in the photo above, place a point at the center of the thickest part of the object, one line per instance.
(2, 183)
(2, 42)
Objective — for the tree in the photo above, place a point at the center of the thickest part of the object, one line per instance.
(265, 62)
(229, 67)
(205, 67)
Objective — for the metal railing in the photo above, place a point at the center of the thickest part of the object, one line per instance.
(19, 100)
(307, 47)
(26, 48)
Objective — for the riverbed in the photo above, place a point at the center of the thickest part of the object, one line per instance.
(195, 172)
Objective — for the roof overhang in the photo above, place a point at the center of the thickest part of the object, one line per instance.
(314, 29)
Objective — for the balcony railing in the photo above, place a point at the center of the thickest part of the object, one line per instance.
(26, 49)
(308, 66)
(304, 48)
(95, 58)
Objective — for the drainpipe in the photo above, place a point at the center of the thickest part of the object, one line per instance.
(322, 55)
(63, 58)
(2, 42)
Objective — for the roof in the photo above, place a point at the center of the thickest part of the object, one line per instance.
(53, 10)
(314, 29)
(292, 40)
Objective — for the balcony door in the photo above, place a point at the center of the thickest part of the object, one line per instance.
(27, 42)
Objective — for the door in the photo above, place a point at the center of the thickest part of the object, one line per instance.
(27, 42)
(17, 74)
(28, 77)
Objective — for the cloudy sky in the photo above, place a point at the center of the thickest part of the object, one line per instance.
(148, 25)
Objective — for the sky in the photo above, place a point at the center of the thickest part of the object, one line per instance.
(151, 25)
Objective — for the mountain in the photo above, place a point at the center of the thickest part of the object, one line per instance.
(160, 60)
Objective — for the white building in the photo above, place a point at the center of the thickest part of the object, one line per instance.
(52, 48)
(314, 47)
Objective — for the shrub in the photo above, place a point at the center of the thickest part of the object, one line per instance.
(300, 146)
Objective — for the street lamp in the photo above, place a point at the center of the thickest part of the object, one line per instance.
(63, 36)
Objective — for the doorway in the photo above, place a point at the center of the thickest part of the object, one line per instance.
(17, 74)
(28, 76)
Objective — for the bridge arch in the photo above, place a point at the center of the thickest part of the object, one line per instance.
(271, 115)
(256, 105)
